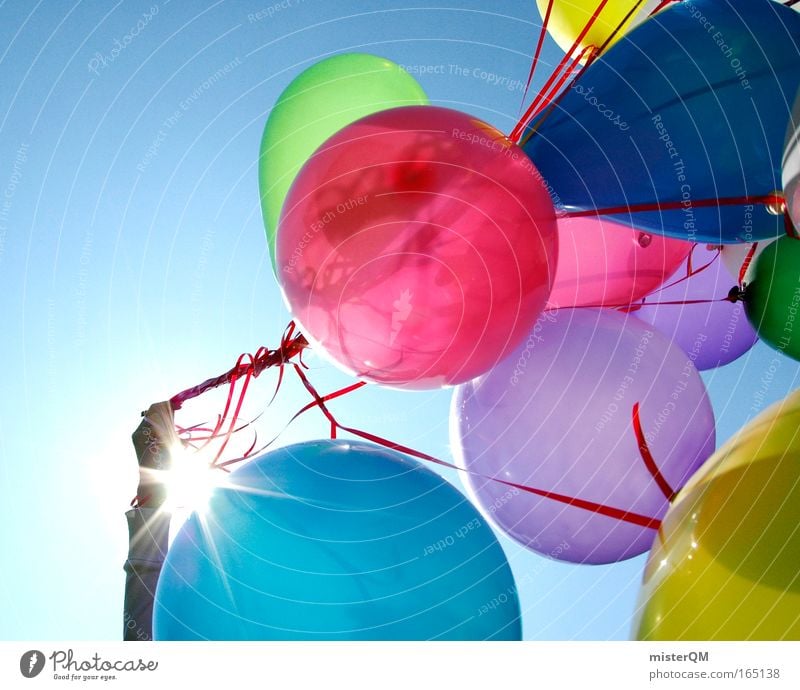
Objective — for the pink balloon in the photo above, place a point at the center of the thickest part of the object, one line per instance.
(603, 263)
(417, 247)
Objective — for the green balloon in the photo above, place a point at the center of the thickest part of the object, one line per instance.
(772, 299)
(322, 100)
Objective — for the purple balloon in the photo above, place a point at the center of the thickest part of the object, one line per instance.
(557, 415)
(711, 334)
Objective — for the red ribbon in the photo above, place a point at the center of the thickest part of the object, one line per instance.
(647, 457)
(766, 199)
(539, 45)
(532, 108)
(292, 347)
(593, 51)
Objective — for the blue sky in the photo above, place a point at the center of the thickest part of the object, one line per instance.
(133, 264)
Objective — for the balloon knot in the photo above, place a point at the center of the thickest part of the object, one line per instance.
(736, 294)
(775, 203)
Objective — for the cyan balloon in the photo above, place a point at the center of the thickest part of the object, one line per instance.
(336, 540)
(692, 106)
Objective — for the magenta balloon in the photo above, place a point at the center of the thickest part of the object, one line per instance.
(711, 334)
(603, 263)
(417, 247)
(557, 416)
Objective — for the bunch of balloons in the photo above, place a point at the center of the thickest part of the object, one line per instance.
(570, 283)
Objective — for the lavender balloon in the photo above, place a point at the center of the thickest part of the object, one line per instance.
(557, 415)
(711, 334)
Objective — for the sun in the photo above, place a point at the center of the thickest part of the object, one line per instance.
(190, 481)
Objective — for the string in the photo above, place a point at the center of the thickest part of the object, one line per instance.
(547, 98)
(559, 98)
(538, 52)
(306, 408)
(526, 118)
(608, 511)
(291, 346)
(320, 402)
(691, 272)
(593, 55)
(766, 199)
(647, 457)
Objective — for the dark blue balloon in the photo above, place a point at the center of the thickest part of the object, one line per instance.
(692, 105)
(336, 540)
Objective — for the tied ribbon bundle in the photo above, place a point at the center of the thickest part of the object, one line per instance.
(289, 353)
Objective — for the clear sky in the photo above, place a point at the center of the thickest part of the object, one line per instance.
(133, 264)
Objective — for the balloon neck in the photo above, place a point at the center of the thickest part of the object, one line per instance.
(775, 203)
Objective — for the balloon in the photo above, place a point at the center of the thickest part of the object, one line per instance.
(568, 19)
(791, 166)
(711, 334)
(557, 416)
(771, 299)
(318, 103)
(417, 247)
(336, 540)
(603, 263)
(725, 563)
(734, 257)
(659, 119)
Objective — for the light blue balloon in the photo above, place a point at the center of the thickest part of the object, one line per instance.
(336, 540)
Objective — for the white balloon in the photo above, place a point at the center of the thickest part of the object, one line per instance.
(734, 256)
(791, 166)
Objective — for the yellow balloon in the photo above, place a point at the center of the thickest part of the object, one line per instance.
(725, 564)
(569, 17)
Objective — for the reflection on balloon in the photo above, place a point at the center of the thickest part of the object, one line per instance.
(417, 247)
(712, 334)
(671, 124)
(335, 540)
(318, 103)
(725, 563)
(557, 415)
(603, 263)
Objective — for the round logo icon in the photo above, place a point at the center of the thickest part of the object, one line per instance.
(31, 663)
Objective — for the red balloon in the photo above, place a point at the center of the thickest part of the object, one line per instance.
(602, 263)
(417, 247)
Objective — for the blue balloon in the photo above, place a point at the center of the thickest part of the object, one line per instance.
(336, 540)
(692, 105)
